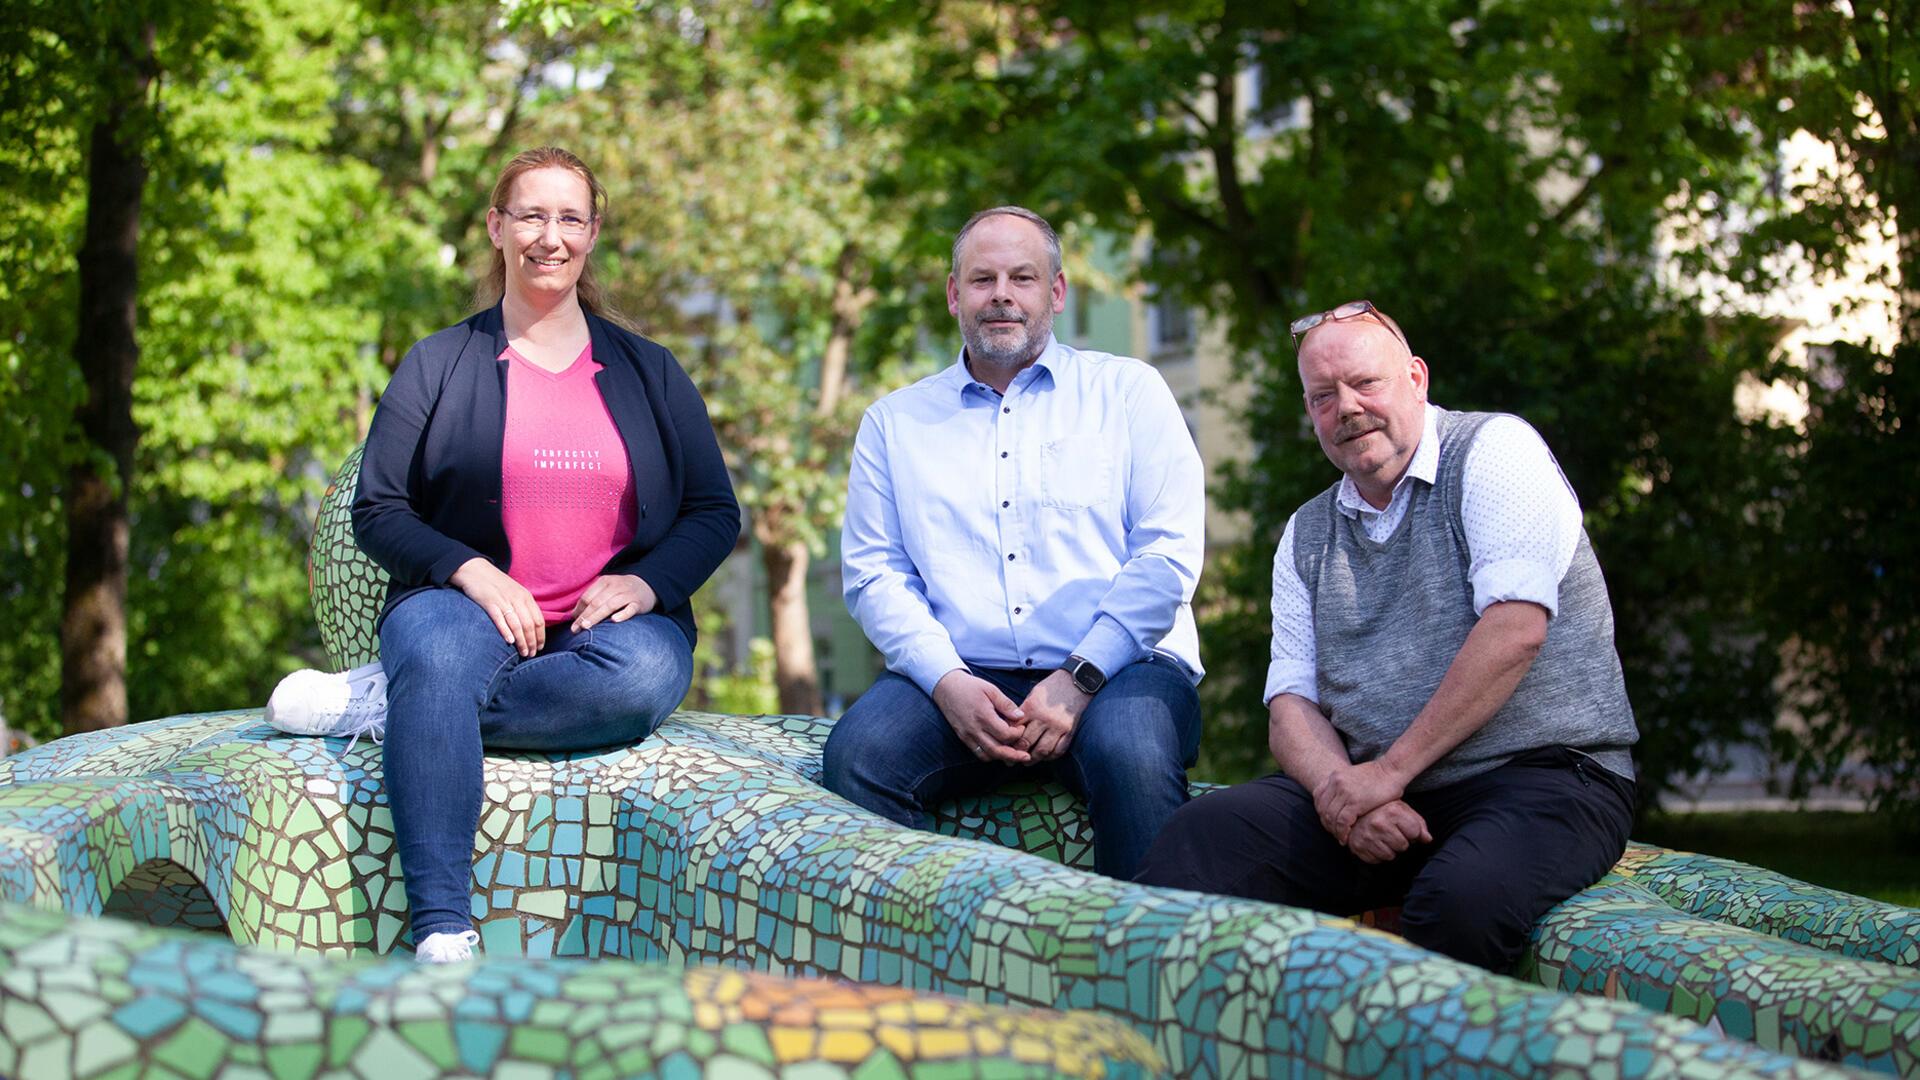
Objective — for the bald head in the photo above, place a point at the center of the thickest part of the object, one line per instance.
(1005, 289)
(1339, 333)
(1366, 394)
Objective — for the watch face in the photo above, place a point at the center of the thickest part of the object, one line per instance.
(1088, 678)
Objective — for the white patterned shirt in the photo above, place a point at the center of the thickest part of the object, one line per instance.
(1521, 518)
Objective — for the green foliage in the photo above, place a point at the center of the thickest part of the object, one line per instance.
(746, 232)
(742, 233)
(747, 689)
(1846, 589)
(257, 263)
(317, 199)
(1529, 189)
(1863, 854)
(1849, 75)
(39, 387)
(1542, 194)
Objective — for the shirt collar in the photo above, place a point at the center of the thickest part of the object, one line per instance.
(1051, 361)
(1424, 467)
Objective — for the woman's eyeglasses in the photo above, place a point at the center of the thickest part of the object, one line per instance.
(536, 221)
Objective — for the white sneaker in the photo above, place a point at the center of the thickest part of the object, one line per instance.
(448, 948)
(351, 703)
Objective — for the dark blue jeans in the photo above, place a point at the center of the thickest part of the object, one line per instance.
(454, 686)
(895, 754)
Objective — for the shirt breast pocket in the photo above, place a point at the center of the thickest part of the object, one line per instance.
(1076, 472)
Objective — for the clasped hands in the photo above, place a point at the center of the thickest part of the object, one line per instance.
(611, 597)
(1037, 729)
(1361, 806)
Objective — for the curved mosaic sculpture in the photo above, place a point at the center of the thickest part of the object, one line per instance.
(1747, 896)
(347, 587)
(86, 998)
(712, 843)
(1755, 954)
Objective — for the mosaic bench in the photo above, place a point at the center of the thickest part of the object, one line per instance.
(1760, 956)
(97, 998)
(711, 844)
(1748, 951)
(1744, 950)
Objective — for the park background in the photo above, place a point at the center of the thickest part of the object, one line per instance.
(1680, 238)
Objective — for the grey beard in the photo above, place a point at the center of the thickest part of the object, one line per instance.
(980, 350)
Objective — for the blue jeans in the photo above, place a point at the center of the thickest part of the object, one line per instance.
(895, 754)
(454, 686)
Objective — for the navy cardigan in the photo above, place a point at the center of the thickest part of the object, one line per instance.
(429, 494)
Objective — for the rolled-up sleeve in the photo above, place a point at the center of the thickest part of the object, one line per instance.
(1292, 656)
(1520, 517)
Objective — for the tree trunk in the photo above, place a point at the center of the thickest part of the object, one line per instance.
(93, 626)
(794, 671)
(851, 297)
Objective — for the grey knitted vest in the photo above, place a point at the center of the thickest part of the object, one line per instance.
(1388, 619)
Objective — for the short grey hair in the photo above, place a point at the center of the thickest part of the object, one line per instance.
(1024, 214)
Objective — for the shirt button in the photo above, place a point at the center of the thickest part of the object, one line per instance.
(1009, 556)
(1016, 611)
(1004, 504)
(1029, 662)
(1005, 409)
(1003, 453)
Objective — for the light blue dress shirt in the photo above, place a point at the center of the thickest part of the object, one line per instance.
(1067, 517)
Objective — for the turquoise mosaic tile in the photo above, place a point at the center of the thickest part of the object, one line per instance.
(721, 849)
(96, 998)
(710, 850)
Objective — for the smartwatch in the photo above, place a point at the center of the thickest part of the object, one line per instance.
(1086, 675)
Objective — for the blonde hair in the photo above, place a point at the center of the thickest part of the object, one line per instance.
(494, 284)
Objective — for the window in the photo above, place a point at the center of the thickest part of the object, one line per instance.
(1172, 321)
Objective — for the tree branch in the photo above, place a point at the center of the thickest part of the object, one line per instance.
(1239, 219)
(1584, 195)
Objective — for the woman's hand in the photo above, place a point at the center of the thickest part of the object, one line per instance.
(506, 602)
(615, 598)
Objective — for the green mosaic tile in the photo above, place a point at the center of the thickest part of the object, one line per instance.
(712, 844)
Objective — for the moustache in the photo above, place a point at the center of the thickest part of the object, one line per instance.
(999, 314)
(1349, 432)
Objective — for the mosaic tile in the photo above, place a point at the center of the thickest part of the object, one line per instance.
(723, 854)
(711, 847)
(1762, 957)
(159, 1001)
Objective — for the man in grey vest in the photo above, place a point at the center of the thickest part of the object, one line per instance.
(1444, 697)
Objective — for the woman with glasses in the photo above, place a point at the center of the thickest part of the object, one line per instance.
(545, 490)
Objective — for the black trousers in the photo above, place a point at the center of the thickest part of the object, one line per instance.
(1508, 845)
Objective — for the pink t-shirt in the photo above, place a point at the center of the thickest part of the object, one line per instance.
(566, 493)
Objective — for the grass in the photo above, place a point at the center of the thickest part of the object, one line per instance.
(1856, 853)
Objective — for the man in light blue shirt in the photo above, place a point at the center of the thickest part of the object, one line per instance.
(1022, 539)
